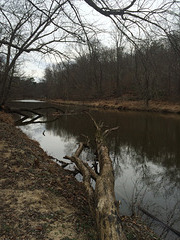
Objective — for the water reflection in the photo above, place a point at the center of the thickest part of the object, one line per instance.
(146, 157)
(151, 136)
(145, 153)
(29, 101)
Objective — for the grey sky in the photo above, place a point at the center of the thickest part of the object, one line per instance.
(34, 64)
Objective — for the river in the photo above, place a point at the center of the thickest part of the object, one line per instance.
(145, 151)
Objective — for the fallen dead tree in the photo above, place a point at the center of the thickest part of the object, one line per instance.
(101, 198)
(30, 116)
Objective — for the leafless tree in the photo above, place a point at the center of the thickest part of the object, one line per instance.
(140, 13)
(102, 201)
(35, 26)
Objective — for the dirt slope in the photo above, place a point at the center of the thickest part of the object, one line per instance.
(38, 199)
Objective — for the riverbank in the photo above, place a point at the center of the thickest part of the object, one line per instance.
(41, 200)
(125, 104)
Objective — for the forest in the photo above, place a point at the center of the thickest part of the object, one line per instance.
(148, 71)
(127, 65)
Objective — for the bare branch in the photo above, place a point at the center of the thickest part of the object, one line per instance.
(105, 12)
(15, 46)
(108, 131)
(83, 167)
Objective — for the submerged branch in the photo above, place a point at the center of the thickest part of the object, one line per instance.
(24, 112)
(158, 220)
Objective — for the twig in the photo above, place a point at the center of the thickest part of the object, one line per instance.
(158, 220)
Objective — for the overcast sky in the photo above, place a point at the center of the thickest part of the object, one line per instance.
(34, 64)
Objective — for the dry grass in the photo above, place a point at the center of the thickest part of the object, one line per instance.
(120, 104)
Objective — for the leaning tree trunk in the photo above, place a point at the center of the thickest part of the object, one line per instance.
(107, 211)
(104, 208)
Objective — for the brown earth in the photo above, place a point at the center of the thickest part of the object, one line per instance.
(41, 200)
(38, 199)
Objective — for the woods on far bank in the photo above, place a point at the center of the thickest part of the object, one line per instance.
(150, 71)
(137, 55)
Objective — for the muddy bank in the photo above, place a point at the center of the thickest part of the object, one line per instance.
(40, 200)
(128, 105)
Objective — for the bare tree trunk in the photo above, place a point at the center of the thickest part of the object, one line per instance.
(107, 211)
(146, 91)
(104, 208)
(3, 88)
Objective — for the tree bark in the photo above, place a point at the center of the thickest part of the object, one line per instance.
(107, 212)
(104, 208)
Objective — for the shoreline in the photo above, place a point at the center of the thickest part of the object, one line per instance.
(125, 105)
(41, 200)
